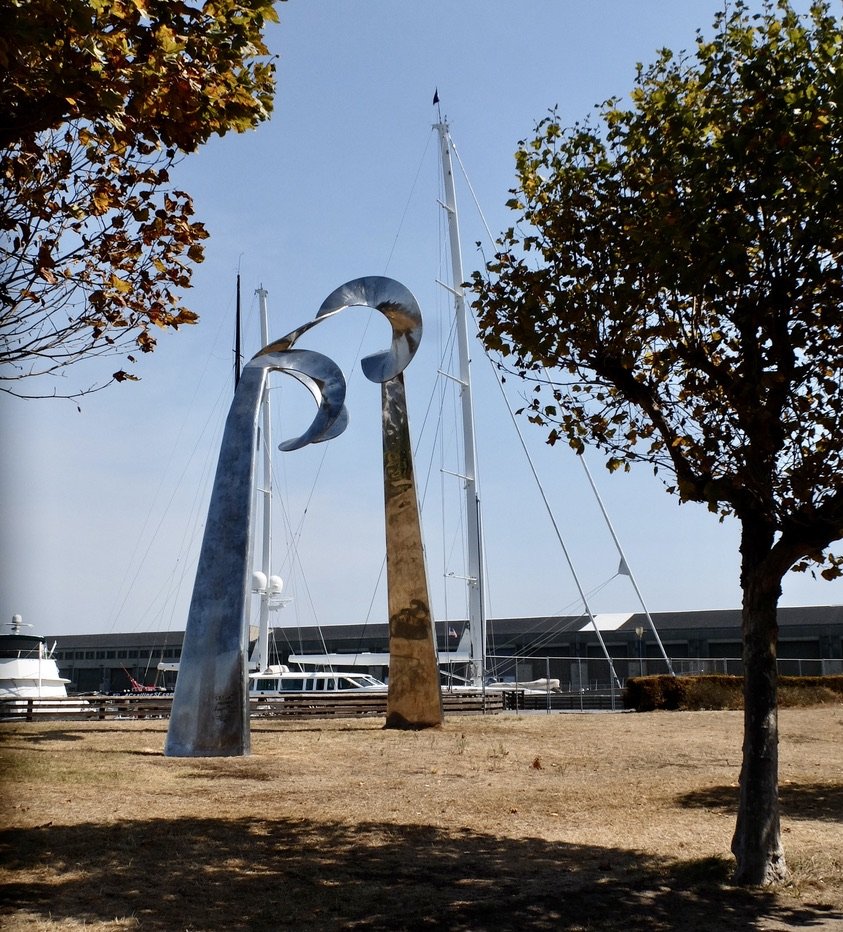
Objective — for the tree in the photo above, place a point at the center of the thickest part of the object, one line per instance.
(99, 99)
(675, 284)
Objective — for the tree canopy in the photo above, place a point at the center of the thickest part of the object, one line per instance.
(673, 287)
(680, 271)
(99, 99)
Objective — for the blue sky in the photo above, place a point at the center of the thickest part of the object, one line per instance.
(103, 510)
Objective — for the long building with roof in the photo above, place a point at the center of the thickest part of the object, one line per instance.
(567, 648)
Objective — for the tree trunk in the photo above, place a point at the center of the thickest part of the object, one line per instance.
(757, 844)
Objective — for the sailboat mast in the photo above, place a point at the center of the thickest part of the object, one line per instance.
(238, 355)
(476, 614)
(262, 648)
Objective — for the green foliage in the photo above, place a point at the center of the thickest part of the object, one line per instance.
(675, 278)
(719, 691)
(99, 99)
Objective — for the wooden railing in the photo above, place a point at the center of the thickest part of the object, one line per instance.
(85, 708)
(291, 705)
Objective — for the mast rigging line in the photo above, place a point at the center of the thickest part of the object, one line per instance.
(565, 622)
(446, 352)
(450, 206)
(559, 537)
(270, 486)
(625, 565)
(292, 559)
(128, 584)
(604, 512)
(406, 206)
(557, 531)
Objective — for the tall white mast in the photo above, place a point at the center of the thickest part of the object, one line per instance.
(261, 654)
(476, 613)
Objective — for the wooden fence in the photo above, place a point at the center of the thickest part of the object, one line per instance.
(606, 700)
(295, 705)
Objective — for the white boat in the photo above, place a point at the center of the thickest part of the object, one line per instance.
(460, 656)
(27, 667)
(530, 687)
(279, 679)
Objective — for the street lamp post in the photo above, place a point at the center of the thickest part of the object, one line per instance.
(639, 633)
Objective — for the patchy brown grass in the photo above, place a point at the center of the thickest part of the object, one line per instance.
(569, 822)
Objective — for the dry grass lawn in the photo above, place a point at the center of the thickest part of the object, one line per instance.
(564, 822)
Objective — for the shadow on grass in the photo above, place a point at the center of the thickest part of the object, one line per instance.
(31, 739)
(815, 801)
(263, 874)
(46, 742)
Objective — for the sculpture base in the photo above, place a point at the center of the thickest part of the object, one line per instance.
(395, 720)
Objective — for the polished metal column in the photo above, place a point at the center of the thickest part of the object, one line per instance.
(414, 698)
(210, 713)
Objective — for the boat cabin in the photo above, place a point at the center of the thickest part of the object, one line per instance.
(274, 681)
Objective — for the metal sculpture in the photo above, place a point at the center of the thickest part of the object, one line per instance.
(414, 699)
(210, 715)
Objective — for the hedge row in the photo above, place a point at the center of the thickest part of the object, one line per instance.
(719, 691)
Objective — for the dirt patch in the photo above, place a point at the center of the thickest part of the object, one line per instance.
(572, 822)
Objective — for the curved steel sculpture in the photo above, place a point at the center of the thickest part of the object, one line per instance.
(393, 300)
(414, 699)
(316, 387)
(210, 714)
(400, 308)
